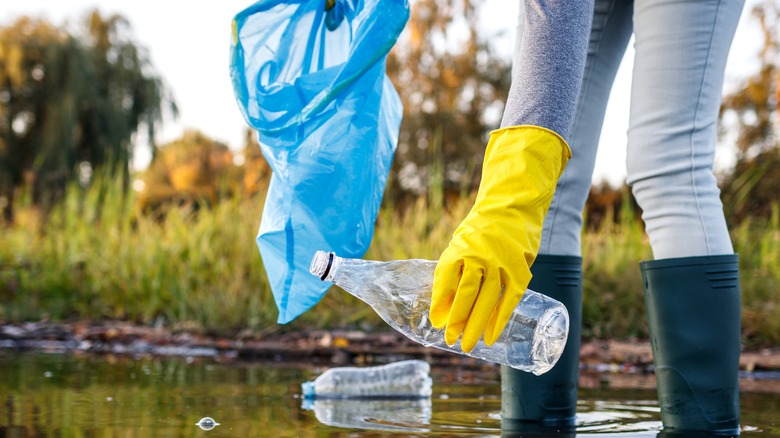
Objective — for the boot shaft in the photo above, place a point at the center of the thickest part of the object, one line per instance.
(693, 313)
(552, 397)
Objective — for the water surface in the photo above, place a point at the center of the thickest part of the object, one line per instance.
(45, 395)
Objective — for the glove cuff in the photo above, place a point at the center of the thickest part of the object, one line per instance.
(555, 138)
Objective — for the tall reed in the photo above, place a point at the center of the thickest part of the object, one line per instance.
(97, 257)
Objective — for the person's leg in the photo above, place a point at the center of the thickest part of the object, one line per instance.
(610, 34)
(551, 399)
(692, 288)
(681, 51)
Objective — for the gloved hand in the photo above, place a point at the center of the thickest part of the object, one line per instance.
(496, 244)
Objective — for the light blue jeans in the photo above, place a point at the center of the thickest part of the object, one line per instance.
(681, 51)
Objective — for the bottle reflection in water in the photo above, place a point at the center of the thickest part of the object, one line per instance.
(410, 416)
(400, 292)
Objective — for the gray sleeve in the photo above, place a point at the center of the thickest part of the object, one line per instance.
(548, 65)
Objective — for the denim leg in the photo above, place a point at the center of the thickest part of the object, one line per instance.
(610, 33)
(549, 64)
(681, 51)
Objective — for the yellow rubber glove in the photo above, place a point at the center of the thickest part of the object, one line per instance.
(497, 242)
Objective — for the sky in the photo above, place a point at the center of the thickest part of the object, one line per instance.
(189, 47)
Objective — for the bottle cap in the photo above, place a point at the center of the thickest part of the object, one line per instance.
(321, 264)
(308, 389)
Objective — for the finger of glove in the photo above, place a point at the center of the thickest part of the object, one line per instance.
(445, 285)
(468, 289)
(503, 311)
(489, 295)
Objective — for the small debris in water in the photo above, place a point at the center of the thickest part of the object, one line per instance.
(207, 423)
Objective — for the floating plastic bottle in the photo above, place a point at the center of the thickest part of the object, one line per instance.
(404, 379)
(400, 292)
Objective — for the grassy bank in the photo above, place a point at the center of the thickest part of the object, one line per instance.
(202, 270)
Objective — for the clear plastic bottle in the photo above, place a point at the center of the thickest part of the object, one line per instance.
(400, 292)
(404, 379)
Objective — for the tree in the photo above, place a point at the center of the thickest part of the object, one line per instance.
(255, 171)
(71, 102)
(193, 170)
(752, 186)
(453, 88)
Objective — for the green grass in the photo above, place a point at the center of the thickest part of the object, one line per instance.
(202, 271)
(189, 269)
(758, 245)
(613, 295)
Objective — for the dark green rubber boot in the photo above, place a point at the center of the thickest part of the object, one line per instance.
(693, 313)
(549, 399)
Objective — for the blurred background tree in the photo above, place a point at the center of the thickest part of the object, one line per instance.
(750, 115)
(453, 86)
(193, 170)
(255, 171)
(71, 102)
(197, 171)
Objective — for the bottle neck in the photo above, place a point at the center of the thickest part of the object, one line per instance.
(352, 275)
(348, 274)
(332, 269)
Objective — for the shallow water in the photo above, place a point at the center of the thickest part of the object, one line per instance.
(62, 395)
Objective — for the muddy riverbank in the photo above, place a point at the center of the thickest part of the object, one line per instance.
(317, 347)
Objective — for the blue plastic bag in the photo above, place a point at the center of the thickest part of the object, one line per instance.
(313, 84)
